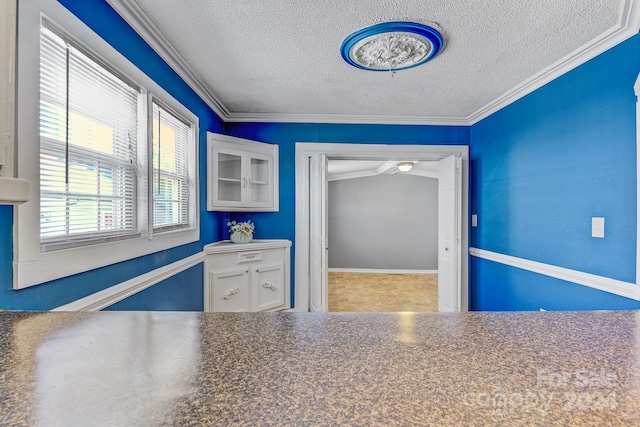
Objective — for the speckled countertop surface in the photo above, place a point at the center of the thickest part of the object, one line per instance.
(183, 369)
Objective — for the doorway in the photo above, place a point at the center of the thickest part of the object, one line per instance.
(310, 251)
(383, 235)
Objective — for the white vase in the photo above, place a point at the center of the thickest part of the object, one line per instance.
(241, 237)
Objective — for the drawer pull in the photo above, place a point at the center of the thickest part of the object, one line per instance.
(267, 285)
(244, 257)
(231, 293)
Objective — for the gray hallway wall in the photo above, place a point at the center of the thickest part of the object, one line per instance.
(384, 222)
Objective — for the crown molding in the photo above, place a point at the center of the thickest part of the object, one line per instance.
(347, 119)
(627, 26)
(138, 19)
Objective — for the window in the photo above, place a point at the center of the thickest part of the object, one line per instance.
(110, 155)
(88, 137)
(170, 190)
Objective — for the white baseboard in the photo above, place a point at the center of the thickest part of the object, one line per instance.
(380, 271)
(617, 287)
(116, 293)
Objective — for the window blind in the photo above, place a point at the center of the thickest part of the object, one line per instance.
(88, 134)
(171, 136)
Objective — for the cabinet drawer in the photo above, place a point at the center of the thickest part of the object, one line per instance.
(268, 287)
(244, 258)
(253, 256)
(229, 291)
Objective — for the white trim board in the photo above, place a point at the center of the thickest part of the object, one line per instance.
(627, 26)
(13, 190)
(617, 287)
(119, 292)
(636, 89)
(380, 271)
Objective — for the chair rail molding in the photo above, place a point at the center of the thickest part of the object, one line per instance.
(617, 287)
(116, 293)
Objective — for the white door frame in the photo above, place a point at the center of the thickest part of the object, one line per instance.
(304, 151)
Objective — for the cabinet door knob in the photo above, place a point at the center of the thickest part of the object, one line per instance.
(231, 293)
(267, 285)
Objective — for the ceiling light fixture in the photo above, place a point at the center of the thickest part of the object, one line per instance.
(404, 166)
(391, 46)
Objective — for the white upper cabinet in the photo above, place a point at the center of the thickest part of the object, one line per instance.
(242, 175)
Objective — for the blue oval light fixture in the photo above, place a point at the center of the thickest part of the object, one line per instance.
(392, 46)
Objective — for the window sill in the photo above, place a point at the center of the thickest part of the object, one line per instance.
(13, 191)
(36, 268)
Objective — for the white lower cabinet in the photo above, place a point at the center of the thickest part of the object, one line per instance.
(247, 277)
(229, 291)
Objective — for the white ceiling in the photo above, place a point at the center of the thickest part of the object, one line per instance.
(349, 169)
(279, 60)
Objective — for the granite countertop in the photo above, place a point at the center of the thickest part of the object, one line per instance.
(184, 369)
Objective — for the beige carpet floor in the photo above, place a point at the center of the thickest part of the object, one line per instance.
(383, 292)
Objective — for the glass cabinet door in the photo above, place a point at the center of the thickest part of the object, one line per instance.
(259, 188)
(229, 179)
(242, 175)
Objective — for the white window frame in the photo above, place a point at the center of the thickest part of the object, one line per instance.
(151, 99)
(31, 265)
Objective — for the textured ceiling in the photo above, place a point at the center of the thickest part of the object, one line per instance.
(283, 56)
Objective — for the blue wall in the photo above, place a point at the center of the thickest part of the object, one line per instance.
(282, 224)
(540, 169)
(184, 292)
(98, 15)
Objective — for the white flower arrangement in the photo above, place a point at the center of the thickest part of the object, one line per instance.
(245, 227)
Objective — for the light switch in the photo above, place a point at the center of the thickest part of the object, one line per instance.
(474, 220)
(597, 227)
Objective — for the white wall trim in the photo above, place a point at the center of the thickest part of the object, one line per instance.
(13, 190)
(346, 119)
(636, 89)
(380, 271)
(116, 293)
(617, 287)
(627, 26)
(7, 85)
(138, 19)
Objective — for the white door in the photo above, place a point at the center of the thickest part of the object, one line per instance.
(449, 226)
(318, 245)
